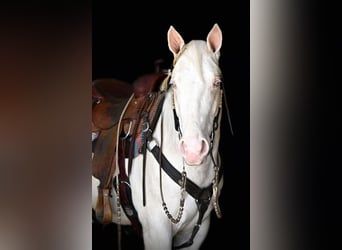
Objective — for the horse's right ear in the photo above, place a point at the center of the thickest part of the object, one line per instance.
(175, 41)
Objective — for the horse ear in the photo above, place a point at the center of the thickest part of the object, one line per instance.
(175, 40)
(214, 38)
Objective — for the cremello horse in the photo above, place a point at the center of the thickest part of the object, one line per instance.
(187, 134)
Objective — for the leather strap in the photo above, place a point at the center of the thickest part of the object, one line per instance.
(125, 190)
(202, 196)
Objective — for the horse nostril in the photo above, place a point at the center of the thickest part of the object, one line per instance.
(198, 147)
(204, 147)
(181, 146)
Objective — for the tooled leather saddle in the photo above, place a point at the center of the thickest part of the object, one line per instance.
(122, 113)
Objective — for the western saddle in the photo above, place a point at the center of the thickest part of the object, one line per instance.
(123, 116)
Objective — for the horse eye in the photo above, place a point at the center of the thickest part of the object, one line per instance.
(217, 83)
(173, 85)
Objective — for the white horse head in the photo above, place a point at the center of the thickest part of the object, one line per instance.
(196, 83)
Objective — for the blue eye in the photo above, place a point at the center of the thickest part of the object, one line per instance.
(217, 83)
(172, 84)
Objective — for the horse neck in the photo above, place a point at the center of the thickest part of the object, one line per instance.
(168, 139)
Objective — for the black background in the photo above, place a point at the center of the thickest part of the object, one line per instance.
(46, 75)
(126, 42)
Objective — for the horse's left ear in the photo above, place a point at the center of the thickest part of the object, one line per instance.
(214, 38)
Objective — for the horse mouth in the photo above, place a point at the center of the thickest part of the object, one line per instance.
(195, 161)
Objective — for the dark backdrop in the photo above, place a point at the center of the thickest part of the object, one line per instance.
(126, 42)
